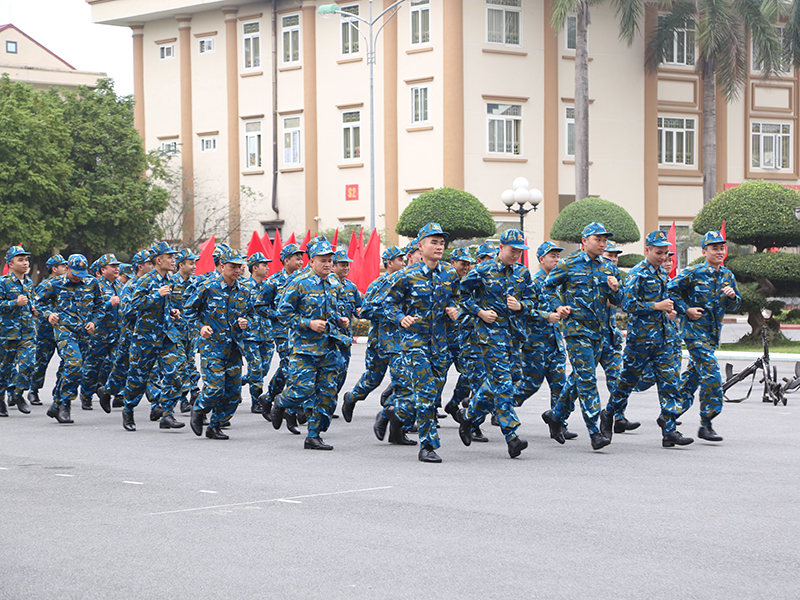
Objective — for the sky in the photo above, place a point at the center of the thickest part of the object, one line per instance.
(69, 33)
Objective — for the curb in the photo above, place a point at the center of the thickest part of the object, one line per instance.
(751, 356)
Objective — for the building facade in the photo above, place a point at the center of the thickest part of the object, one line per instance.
(467, 93)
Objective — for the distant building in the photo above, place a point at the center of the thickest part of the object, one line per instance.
(26, 60)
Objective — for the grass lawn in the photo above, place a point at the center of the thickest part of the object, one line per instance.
(785, 346)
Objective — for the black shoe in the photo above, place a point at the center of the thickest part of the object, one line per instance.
(556, 428)
(451, 408)
(225, 424)
(257, 408)
(428, 455)
(4, 409)
(193, 396)
(302, 417)
(516, 446)
(386, 394)
(128, 423)
(214, 433)
(334, 416)
(441, 415)
(276, 415)
(606, 424)
(708, 434)
(316, 443)
(196, 422)
(22, 405)
(477, 435)
(156, 412)
(414, 428)
(170, 422)
(465, 403)
(569, 435)
(33, 398)
(599, 441)
(186, 406)
(380, 425)
(52, 412)
(64, 415)
(86, 403)
(347, 407)
(397, 436)
(291, 423)
(661, 422)
(104, 399)
(266, 409)
(10, 399)
(118, 401)
(622, 425)
(675, 437)
(464, 427)
(494, 421)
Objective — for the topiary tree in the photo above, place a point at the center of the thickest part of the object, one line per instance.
(570, 222)
(628, 261)
(459, 213)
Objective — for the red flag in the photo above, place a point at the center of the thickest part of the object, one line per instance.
(292, 239)
(722, 231)
(352, 247)
(360, 241)
(525, 253)
(673, 247)
(335, 238)
(304, 246)
(267, 245)
(255, 245)
(205, 264)
(276, 264)
(371, 262)
(354, 253)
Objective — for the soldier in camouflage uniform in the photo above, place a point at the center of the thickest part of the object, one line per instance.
(73, 305)
(222, 308)
(647, 304)
(350, 299)
(258, 345)
(500, 294)
(183, 282)
(582, 285)
(702, 295)
(486, 252)
(311, 310)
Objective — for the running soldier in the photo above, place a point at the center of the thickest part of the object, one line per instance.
(258, 344)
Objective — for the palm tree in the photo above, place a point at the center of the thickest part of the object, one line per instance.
(721, 30)
(630, 14)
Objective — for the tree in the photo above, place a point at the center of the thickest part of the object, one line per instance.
(722, 29)
(459, 213)
(570, 222)
(629, 13)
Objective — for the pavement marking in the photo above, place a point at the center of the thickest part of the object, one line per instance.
(207, 492)
(134, 482)
(63, 475)
(3, 468)
(290, 499)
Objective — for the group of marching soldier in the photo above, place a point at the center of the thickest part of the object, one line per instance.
(123, 331)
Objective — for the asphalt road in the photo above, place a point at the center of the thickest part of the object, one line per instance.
(94, 512)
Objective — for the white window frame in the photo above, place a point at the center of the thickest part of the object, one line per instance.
(684, 134)
(419, 11)
(166, 51)
(351, 26)
(571, 25)
(508, 128)
(569, 131)
(504, 6)
(169, 147)
(251, 43)
(779, 137)
(293, 33)
(12, 44)
(292, 139)
(421, 93)
(252, 145)
(786, 66)
(689, 34)
(351, 133)
(206, 45)
(208, 144)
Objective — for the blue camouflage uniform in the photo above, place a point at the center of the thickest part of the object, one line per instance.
(350, 301)
(45, 337)
(701, 286)
(182, 289)
(17, 331)
(258, 344)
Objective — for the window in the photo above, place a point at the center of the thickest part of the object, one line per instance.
(208, 144)
(252, 45)
(503, 23)
(676, 141)
(420, 22)
(771, 145)
(11, 47)
(570, 121)
(785, 65)
(419, 104)
(682, 49)
(571, 31)
(350, 41)
(290, 34)
(252, 144)
(505, 128)
(351, 135)
(206, 46)
(166, 52)
(169, 147)
(291, 141)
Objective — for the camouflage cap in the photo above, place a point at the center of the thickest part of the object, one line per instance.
(431, 229)
(289, 250)
(656, 238)
(514, 238)
(595, 228)
(486, 249)
(78, 264)
(16, 251)
(712, 237)
(257, 257)
(141, 257)
(391, 253)
(160, 248)
(462, 254)
(126, 269)
(55, 261)
(547, 247)
(612, 247)
(341, 256)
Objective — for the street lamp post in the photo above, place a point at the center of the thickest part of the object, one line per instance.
(333, 9)
(522, 195)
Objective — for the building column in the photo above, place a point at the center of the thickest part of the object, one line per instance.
(391, 207)
(310, 113)
(722, 142)
(550, 137)
(650, 131)
(234, 164)
(187, 140)
(453, 93)
(138, 77)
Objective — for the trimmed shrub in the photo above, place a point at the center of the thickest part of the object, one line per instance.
(628, 261)
(459, 213)
(570, 222)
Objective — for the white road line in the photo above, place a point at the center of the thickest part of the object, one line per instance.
(3, 468)
(134, 482)
(207, 492)
(289, 499)
(62, 475)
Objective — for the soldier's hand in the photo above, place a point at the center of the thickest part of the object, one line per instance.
(164, 290)
(317, 325)
(728, 291)
(175, 314)
(407, 321)
(206, 331)
(53, 318)
(488, 316)
(242, 322)
(694, 313)
(35, 312)
(114, 300)
(358, 312)
(613, 283)
(666, 305)
(672, 315)
(563, 311)
(22, 300)
(452, 312)
(513, 303)
(89, 328)
(344, 322)
(553, 317)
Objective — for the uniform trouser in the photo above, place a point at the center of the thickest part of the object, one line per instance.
(312, 387)
(345, 364)
(190, 378)
(278, 381)
(45, 348)
(144, 357)
(398, 379)
(545, 361)
(258, 355)
(703, 371)
(96, 363)
(376, 362)
(636, 358)
(120, 363)
(584, 355)
(420, 379)
(647, 378)
(71, 347)
(496, 395)
(471, 373)
(222, 381)
(611, 361)
(19, 353)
